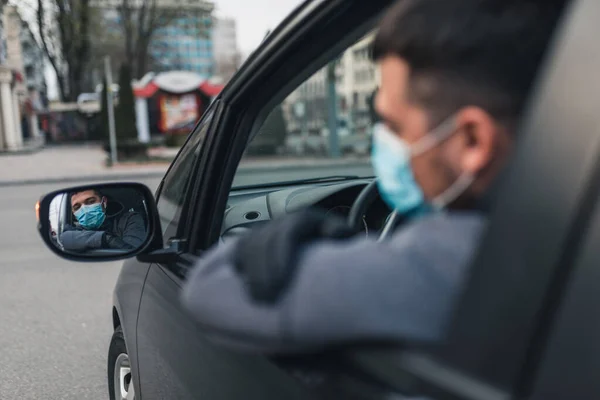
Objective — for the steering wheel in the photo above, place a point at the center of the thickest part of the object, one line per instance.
(362, 203)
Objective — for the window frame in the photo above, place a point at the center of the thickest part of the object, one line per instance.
(287, 57)
(184, 229)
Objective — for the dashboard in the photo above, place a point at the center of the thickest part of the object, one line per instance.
(249, 207)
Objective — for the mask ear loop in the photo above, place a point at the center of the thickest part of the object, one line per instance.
(456, 189)
(440, 133)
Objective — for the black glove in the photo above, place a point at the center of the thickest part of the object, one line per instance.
(266, 258)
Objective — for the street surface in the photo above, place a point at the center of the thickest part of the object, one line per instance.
(55, 319)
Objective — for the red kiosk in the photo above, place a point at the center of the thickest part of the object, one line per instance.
(171, 102)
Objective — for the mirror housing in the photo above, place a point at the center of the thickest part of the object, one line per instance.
(98, 222)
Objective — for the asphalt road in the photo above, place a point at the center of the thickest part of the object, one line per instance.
(55, 321)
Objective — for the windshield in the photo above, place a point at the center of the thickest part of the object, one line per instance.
(294, 142)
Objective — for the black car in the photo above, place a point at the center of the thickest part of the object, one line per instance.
(527, 325)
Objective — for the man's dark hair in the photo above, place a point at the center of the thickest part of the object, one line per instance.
(484, 53)
(96, 192)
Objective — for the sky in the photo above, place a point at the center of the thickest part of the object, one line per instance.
(254, 18)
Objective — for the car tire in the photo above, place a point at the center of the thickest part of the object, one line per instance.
(120, 380)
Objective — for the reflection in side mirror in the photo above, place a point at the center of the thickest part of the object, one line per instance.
(101, 222)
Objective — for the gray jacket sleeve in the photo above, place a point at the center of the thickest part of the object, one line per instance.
(134, 232)
(130, 234)
(403, 288)
(81, 239)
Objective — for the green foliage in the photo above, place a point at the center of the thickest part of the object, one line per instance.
(125, 110)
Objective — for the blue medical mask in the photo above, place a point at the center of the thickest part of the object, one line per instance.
(391, 160)
(90, 216)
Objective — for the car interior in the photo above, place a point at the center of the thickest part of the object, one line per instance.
(338, 199)
(353, 196)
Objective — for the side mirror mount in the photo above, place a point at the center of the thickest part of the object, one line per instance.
(100, 222)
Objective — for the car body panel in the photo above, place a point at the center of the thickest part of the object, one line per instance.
(126, 302)
(178, 362)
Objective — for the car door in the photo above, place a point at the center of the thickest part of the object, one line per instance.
(175, 359)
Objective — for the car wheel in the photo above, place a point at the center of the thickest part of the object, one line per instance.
(120, 381)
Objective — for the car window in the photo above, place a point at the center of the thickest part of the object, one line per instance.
(175, 187)
(294, 141)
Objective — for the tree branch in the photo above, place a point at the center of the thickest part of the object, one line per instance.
(49, 54)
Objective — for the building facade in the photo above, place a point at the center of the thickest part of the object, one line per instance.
(22, 82)
(226, 51)
(356, 79)
(184, 39)
(185, 44)
(33, 62)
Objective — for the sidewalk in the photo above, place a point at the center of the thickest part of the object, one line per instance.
(66, 164)
(80, 163)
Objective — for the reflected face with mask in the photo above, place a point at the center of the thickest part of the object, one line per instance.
(89, 207)
(426, 164)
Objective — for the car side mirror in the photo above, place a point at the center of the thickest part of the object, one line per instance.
(101, 222)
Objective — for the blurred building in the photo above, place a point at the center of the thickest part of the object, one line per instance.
(2, 36)
(22, 81)
(33, 62)
(356, 79)
(184, 41)
(305, 109)
(226, 52)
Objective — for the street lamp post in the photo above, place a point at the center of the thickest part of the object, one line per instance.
(334, 145)
(300, 111)
(111, 112)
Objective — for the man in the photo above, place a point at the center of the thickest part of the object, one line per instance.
(97, 230)
(455, 76)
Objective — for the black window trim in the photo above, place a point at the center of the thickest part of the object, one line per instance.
(183, 230)
(247, 103)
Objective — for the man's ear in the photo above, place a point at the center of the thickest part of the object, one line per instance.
(480, 130)
(104, 202)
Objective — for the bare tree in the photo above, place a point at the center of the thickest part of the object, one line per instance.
(106, 42)
(141, 20)
(63, 28)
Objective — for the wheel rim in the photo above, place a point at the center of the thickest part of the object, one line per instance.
(122, 378)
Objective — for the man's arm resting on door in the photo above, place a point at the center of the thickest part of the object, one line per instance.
(341, 291)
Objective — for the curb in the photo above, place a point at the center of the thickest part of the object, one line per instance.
(159, 174)
(77, 179)
(262, 168)
(21, 151)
